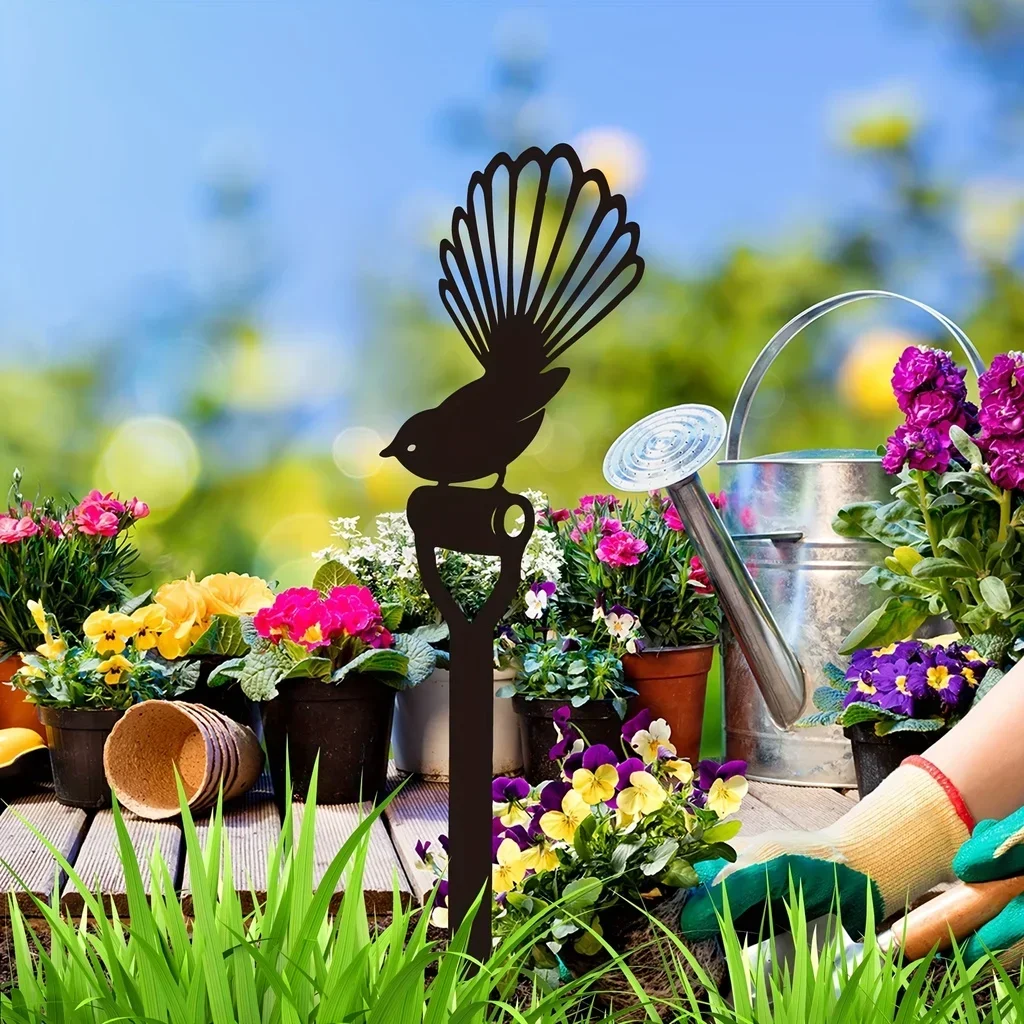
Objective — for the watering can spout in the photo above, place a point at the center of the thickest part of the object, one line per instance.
(666, 451)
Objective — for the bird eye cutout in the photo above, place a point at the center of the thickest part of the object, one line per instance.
(411, 448)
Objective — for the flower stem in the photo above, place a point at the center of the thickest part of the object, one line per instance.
(952, 608)
(1004, 513)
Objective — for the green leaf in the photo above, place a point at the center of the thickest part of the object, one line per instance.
(723, 831)
(912, 725)
(262, 671)
(581, 839)
(388, 664)
(582, 893)
(861, 711)
(508, 690)
(965, 446)
(133, 604)
(895, 620)
(311, 668)
(991, 646)
(993, 590)
(227, 672)
(391, 613)
(588, 944)
(680, 874)
(815, 721)
(433, 633)
(223, 637)
(830, 698)
(333, 574)
(941, 568)
(660, 857)
(420, 655)
(622, 853)
(966, 550)
(992, 676)
(898, 582)
(862, 521)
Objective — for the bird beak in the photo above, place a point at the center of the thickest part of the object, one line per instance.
(388, 452)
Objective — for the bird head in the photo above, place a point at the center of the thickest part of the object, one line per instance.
(411, 445)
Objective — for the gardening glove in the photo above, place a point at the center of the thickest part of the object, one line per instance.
(892, 846)
(996, 850)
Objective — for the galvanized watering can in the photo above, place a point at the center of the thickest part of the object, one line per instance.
(786, 582)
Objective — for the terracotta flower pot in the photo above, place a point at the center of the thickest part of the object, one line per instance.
(76, 737)
(15, 711)
(597, 720)
(672, 682)
(348, 725)
(419, 736)
(876, 757)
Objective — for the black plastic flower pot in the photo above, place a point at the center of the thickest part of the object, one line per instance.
(75, 737)
(876, 757)
(348, 724)
(596, 720)
(227, 698)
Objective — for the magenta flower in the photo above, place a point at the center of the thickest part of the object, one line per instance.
(1006, 462)
(1002, 416)
(698, 577)
(718, 499)
(918, 447)
(920, 369)
(1004, 378)
(558, 515)
(619, 549)
(672, 520)
(930, 408)
(13, 531)
(137, 509)
(93, 520)
(588, 501)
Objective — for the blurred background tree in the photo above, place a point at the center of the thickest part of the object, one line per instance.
(228, 429)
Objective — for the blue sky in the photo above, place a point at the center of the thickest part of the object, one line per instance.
(111, 113)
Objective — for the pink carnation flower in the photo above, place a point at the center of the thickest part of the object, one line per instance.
(137, 509)
(621, 548)
(13, 531)
(672, 520)
(698, 577)
(588, 501)
(91, 519)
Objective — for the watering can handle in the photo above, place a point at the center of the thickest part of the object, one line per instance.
(786, 334)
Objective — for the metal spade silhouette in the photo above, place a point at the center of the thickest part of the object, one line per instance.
(540, 254)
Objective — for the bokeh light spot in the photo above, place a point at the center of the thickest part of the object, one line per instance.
(356, 452)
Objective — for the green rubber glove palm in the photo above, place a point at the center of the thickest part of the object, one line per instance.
(893, 846)
(996, 850)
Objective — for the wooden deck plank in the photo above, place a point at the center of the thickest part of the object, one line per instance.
(758, 816)
(31, 861)
(252, 825)
(99, 863)
(334, 824)
(802, 806)
(420, 811)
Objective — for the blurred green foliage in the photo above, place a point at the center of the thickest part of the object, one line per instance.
(228, 453)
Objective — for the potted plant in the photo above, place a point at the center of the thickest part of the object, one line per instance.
(386, 562)
(205, 622)
(895, 701)
(615, 834)
(560, 670)
(82, 686)
(325, 665)
(631, 570)
(72, 556)
(955, 524)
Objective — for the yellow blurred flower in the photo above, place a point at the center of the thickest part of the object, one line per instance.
(864, 375)
(510, 869)
(51, 647)
(185, 606)
(109, 631)
(726, 795)
(152, 622)
(643, 795)
(562, 825)
(232, 593)
(596, 786)
(114, 668)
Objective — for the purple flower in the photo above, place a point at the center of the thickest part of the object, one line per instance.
(572, 762)
(630, 765)
(443, 840)
(641, 720)
(1004, 378)
(1006, 462)
(933, 369)
(507, 791)
(1002, 416)
(708, 771)
(918, 447)
(441, 893)
(570, 644)
(597, 755)
(422, 849)
(551, 795)
(567, 734)
(932, 407)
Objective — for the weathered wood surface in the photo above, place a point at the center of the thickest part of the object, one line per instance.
(27, 858)
(418, 812)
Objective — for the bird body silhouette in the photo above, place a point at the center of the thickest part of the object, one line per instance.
(540, 253)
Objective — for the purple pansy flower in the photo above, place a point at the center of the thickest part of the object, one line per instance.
(507, 791)
(551, 795)
(422, 849)
(572, 762)
(641, 720)
(708, 771)
(597, 755)
(630, 765)
(570, 644)
(566, 733)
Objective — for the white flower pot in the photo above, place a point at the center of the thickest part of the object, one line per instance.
(419, 735)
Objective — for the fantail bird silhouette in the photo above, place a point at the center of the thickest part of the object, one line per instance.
(529, 269)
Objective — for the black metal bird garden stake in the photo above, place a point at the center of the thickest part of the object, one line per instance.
(541, 253)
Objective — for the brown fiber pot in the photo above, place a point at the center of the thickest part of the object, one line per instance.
(76, 737)
(672, 682)
(348, 724)
(15, 711)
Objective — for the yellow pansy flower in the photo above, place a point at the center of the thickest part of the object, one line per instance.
(561, 825)
(643, 795)
(510, 870)
(596, 786)
(38, 616)
(726, 795)
(232, 593)
(680, 770)
(625, 822)
(51, 647)
(151, 622)
(656, 737)
(511, 814)
(541, 857)
(109, 631)
(114, 668)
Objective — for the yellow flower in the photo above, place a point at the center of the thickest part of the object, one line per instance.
(597, 786)
(726, 795)
(188, 616)
(109, 631)
(647, 742)
(511, 814)
(509, 870)
(625, 822)
(643, 795)
(540, 858)
(51, 647)
(938, 677)
(232, 593)
(562, 825)
(114, 668)
(151, 622)
(39, 617)
(680, 770)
